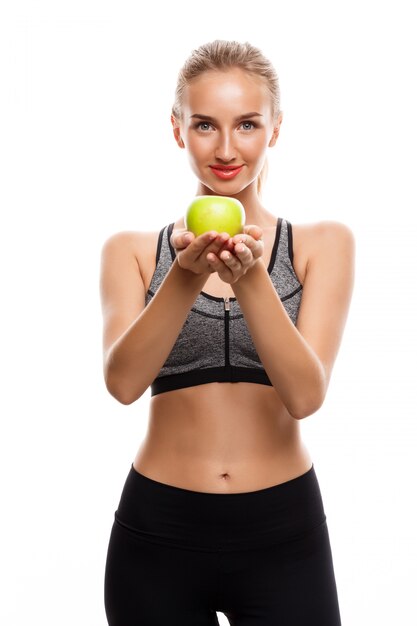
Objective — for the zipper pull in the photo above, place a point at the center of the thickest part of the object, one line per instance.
(226, 303)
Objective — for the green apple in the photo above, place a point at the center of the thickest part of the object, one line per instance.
(220, 213)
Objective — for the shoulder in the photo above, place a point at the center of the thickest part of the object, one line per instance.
(330, 250)
(138, 242)
(326, 239)
(330, 234)
(332, 240)
(124, 239)
(313, 236)
(139, 245)
(330, 229)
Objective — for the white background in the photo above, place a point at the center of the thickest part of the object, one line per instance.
(87, 150)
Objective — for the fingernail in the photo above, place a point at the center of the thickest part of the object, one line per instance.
(187, 238)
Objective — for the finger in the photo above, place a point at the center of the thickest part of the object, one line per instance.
(253, 230)
(256, 247)
(180, 240)
(215, 264)
(230, 260)
(221, 259)
(210, 242)
(243, 250)
(233, 266)
(241, 241)
(202, 241)
(221, 266)
(222, 241)
(230, 245)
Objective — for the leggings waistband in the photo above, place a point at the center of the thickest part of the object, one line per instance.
(175, 516)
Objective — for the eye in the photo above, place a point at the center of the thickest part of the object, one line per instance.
(204, 126)
(245, 125)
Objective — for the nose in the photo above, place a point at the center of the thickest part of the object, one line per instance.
(225, 149)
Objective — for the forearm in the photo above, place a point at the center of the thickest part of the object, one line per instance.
(292, 366)
(136, 358)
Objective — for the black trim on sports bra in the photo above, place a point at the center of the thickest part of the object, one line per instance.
(159, 246)
(290, 249)
(290, 295)
(171, 247)
(225, 373)
(275, 245)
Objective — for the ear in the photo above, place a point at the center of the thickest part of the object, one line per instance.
(177, 132)
(275, 132)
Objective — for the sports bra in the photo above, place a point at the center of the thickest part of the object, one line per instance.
(214, 344)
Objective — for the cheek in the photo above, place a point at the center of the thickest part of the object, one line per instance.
(255, 146)
(196, 153)
(196, 146)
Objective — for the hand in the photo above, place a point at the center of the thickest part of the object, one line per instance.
(192, 252)
(233, 263)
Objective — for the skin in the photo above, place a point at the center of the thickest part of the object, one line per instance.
(228, 437)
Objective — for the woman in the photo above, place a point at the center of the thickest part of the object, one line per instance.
(221, 509)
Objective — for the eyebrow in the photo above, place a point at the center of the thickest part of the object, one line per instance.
(237, 119)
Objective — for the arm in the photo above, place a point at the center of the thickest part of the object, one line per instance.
(137, 339)
(299, 359)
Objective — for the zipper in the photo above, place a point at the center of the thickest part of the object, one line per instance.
(226, 328)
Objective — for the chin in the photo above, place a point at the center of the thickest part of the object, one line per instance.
(226, 189)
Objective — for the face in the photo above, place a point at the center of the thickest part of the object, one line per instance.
(226, 128)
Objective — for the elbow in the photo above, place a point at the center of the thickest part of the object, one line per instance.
(309, 403)
(119, 395)
(120, 392)
(300, 412)
(122, 396)
(124, 399)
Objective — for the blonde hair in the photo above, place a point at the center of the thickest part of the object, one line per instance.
(222, 55)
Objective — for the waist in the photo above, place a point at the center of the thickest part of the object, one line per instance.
(162, 513)
(222, 476)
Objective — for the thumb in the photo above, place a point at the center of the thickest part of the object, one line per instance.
(181, 238)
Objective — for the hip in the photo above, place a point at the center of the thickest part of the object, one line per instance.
(162, 513)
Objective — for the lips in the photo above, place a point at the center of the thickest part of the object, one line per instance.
(226, 171)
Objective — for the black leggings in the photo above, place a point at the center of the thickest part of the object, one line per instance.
(263, 558)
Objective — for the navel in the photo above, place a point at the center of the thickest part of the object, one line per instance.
(225, 476)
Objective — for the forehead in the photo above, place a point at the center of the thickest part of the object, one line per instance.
(234, 90)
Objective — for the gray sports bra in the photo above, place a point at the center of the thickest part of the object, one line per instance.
(214, 344)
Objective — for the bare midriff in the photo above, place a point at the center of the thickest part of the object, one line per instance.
(221, 438)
